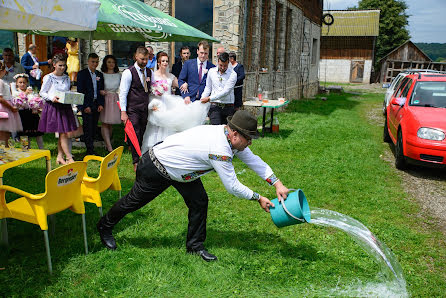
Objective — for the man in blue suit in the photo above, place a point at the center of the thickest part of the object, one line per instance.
(192, 79)
(91, 82)
(29, 62)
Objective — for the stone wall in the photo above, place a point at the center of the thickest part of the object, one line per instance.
(295, 73)
(99, 47)
(227, 26)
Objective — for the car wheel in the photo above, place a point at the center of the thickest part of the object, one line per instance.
(400, 159)
(386, 136)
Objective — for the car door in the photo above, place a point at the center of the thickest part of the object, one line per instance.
(395, 84)
(398, 110)
(394, 109)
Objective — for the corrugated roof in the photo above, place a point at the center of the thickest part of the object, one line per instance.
(353, 23)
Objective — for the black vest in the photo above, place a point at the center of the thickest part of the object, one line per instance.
(137, 98)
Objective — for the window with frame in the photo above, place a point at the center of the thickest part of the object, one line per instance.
(398, 91)
(250, 24)
(314, 51)
(279, 8)
(124, 51)
(288, 26)
(406, 88)
(198, 14)
(264, 33)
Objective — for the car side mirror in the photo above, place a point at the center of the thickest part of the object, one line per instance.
(399, 101)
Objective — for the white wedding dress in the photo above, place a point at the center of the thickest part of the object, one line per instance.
(172, 115)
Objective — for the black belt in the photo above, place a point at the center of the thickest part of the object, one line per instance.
(222, 105)
(158, 165)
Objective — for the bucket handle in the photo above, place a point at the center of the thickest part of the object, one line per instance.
(288, 212)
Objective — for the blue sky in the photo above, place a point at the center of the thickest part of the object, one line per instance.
(427, 21)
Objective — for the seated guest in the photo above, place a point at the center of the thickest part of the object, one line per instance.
(91, 82)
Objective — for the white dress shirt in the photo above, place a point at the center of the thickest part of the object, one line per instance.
(205, 63)
(195, 152)
(33, 57)
(95, 83)
(126, 81)
(219, 86)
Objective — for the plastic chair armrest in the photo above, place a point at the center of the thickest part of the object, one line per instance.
(89, 179)
(93, 157)
(21, 192)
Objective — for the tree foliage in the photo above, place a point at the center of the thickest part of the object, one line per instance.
(393, 23)
(436, 51)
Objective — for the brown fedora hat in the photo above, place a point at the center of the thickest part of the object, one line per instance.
(243, 122)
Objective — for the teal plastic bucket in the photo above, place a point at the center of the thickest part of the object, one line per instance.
(294, 210)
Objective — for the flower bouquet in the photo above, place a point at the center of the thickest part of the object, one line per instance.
(159, 87)
(35, 103)
(36, 73)
(21, 101)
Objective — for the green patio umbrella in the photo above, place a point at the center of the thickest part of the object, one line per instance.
(134, 20)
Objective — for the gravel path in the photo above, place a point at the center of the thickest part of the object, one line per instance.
(426, 185)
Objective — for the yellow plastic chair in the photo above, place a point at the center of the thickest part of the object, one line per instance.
(108, 177)
(62, 191)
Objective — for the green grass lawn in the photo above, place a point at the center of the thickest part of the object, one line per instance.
(327, 148)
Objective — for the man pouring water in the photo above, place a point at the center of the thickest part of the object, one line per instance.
(180, 160)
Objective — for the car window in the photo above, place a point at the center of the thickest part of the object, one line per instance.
(397, 81)
(406, 88)
(429, 94)
(400, 88)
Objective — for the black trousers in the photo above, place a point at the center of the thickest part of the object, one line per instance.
(138, 117)
(90, 122)
(218, 114)
(148, 185)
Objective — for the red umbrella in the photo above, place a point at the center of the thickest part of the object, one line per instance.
(130, 132)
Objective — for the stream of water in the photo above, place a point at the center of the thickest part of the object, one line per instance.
(395, 284)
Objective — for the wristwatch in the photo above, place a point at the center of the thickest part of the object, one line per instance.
(255, 196)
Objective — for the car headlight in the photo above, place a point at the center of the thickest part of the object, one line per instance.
(430, 134)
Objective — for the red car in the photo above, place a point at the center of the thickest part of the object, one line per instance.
(416, 120)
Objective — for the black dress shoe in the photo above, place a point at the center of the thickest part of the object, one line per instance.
(106, 236)
(204, 254)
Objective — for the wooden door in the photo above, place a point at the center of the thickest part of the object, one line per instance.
(357, 71)
(42, 50)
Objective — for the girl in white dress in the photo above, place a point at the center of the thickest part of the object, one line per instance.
(111, 113)
(168, 114)
(9, 116)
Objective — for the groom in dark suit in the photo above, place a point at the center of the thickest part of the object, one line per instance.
(90, 82)
(192, 79)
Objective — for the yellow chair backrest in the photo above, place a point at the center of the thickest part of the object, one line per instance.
(63, 188)
(109, 169)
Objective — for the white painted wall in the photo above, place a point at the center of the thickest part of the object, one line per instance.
(338, 70)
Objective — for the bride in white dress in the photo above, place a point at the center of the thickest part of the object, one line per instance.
(168, 114)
